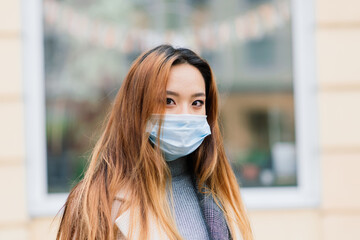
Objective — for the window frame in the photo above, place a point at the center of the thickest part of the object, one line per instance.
(305, 195)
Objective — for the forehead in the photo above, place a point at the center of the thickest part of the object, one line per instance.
(185, 78)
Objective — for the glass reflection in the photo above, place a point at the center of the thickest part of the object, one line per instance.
(89, 46)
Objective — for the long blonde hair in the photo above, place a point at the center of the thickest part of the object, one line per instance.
(124, 159)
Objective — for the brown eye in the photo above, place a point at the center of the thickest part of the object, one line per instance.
(198, 103)
(169, 101)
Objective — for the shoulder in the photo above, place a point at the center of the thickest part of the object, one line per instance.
(123, 221)
(116, 205)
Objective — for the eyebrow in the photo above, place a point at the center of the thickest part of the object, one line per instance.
(199, 94)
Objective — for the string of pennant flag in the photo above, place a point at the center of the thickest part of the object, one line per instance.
(252, 25)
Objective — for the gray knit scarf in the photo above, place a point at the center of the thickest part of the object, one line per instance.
(214, 217)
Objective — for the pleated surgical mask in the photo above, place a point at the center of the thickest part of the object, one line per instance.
(180, 135)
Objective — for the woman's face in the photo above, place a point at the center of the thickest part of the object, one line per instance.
(185, 91)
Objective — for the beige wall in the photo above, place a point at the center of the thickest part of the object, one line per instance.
(338, 51)
(338, 73)
(13, 214)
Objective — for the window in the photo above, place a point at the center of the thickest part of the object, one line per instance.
(77, 54)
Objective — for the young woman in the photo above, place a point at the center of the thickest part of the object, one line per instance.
(159, 170)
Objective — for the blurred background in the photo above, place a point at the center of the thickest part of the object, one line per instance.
(289, 85)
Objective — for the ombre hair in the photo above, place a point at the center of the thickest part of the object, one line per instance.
(123, 159)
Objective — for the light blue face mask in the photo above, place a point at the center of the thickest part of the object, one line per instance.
(181, 134)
